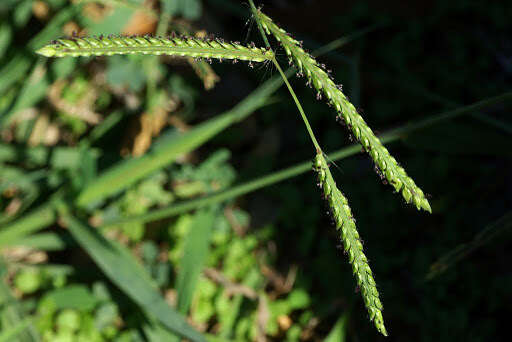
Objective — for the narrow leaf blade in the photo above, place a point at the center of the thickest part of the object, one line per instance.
(120, 267)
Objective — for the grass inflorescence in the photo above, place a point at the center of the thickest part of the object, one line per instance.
(148, 45)
(323, 83)
(345, 224)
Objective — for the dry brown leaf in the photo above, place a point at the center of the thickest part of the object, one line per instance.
(95, 12)
(14, 205)
(71, 28)
(38, 132)
(263, 315)
(284, 322)
(140, 23)
(40, 9)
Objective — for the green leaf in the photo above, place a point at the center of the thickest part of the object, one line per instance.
(22, 13)
(34, 221)
(46, 241)
(14, 322)
(9, 334)
(228, 320)
(191, 9)
(125, 173)
(5, 38)
(194, 256)
(33, 90)
(114, 22)
(120, 267)
(53, 28)
(73, 297)
(293, 171)
(339, 331)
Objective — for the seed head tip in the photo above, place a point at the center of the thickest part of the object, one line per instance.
(47, 51)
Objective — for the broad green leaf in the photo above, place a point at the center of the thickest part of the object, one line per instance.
(72, 297)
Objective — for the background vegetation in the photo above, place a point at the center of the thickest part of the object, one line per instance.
(111, 225)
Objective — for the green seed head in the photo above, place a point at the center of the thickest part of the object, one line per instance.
(345, 224)
(323, 83)
(183, 47)
(47, 51)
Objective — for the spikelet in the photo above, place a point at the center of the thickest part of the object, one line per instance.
(346, 225)
(183, 46)
(320, 79)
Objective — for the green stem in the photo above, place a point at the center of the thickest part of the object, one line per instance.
(263, 35)
(293, 171)
(299, 106)
(285, 79)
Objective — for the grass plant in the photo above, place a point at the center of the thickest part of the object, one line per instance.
(154, 245)
(317, 76)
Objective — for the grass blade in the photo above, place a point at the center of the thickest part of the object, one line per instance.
(462, 251)
(47, 241)
(339, 331)
(194, 257)
(128, 172)
(120, 267)
(33, 222)
(276, 177)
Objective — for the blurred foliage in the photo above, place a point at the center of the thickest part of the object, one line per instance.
(146, 133)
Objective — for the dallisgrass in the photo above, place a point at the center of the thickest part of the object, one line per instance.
(323, 83)
(148, 45)
(320, 79)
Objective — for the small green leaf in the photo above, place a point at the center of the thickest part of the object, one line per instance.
(339, 331)
(76, 297)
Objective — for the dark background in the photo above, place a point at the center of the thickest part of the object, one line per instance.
(425, 57)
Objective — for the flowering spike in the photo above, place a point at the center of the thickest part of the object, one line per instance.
(352, 243)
